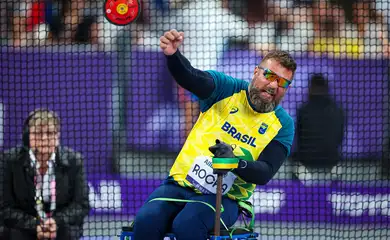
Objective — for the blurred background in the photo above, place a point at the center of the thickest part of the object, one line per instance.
(122, 110)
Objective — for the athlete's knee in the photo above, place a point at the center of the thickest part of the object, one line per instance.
(149, 213)
(190, 227)
(142, 218)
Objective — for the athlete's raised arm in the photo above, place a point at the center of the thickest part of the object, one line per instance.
(194, 80)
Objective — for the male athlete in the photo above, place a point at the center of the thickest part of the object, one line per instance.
(236, 113)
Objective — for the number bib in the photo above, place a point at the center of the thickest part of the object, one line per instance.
(202, 178)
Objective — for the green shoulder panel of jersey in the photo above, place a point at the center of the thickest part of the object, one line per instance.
(286, 134)
(225, 86)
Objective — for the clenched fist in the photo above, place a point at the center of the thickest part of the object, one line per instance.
(170, 41)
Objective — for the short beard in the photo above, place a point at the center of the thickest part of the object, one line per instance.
(258, 103)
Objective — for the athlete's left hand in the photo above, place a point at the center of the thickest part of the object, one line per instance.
(224, 159)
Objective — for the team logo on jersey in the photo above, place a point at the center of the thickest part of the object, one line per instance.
(263, 128)
(234, 110)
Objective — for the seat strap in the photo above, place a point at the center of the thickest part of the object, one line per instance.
(247, 209)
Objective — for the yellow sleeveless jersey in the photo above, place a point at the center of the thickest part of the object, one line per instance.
(227, 115)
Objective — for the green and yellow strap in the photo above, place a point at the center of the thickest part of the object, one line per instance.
(225, 163)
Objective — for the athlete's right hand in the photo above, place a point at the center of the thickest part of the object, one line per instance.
(170, 41)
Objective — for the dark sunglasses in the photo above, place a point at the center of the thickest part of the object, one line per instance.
(271, 76)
